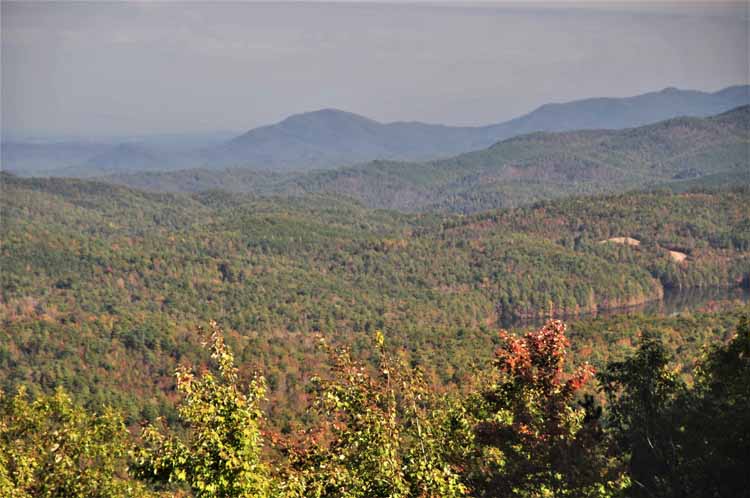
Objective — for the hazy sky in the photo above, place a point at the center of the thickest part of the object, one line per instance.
(133, 68)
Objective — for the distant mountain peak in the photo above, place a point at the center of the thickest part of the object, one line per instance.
(678, 153)
(325, 115)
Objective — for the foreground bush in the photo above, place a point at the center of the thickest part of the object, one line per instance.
(383, 435)
(220, 455)
(52, 448)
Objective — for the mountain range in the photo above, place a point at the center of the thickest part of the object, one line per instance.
(676, 154)
(327, 138)
(331, 138)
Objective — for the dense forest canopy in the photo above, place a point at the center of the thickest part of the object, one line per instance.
(103, 286)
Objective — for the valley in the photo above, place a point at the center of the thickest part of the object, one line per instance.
(320, 286)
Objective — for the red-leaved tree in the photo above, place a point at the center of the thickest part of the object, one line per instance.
(535, 434)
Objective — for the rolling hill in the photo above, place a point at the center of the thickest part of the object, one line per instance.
(35, 158)
(81, 158)
(104, 290)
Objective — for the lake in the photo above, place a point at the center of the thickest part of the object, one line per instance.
(675, 301)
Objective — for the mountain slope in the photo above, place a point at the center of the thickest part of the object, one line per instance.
(543, 165)
(330, 138)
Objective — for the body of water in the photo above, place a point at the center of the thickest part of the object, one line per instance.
(675, 301)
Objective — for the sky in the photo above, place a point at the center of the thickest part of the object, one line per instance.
(116, 69)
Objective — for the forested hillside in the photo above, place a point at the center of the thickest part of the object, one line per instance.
(678, 154)
(103, 287)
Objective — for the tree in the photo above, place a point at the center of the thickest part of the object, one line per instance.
(383, 436)
(532, 440)
(50, 447)
(645, 416)
(681, 441)
(220, 456)
(717, 428)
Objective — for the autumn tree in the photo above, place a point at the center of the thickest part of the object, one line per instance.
(532, 438)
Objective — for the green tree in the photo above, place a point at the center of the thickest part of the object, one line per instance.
(220, 456)
(717, 429)
(680, 441)
(643, 394)
(383, 436)
(50, 447)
